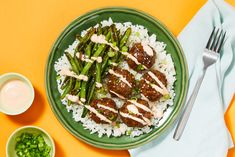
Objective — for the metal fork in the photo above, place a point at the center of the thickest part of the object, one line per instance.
(210, 56)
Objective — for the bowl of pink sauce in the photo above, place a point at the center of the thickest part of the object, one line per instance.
(16, 93)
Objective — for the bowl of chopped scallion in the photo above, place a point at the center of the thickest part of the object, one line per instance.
(30, 141)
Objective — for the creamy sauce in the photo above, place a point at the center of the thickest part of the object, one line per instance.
(130, 56)
(155, 87)
(93, 110)
(82, 77)
(87, 60)
(120, 76)
(133, 109)
(72, 98)
(67, 72)
(144, 97)
(143, 107)
(83, 100)
(98, 59)
(107, 108)
(100, 39)
(84, 57)
(114, 64)
(151, 74)
(118, 95)
(98, 85)
(14, 95)
(75, 99)
(147, 48)
(125, 115)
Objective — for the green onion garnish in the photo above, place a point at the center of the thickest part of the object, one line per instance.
(32, 145)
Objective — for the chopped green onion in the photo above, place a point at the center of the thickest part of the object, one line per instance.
(137, 34)
(111, 53)
(166, 96)
(129, 132)
(124, 49)
(31, 145)
(140, 67)
(114, 44)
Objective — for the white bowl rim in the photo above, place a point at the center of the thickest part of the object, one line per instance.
(31, 88)
(33, 127)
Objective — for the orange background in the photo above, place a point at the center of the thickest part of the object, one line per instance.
(27, 31)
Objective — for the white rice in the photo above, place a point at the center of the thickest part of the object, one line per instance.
(163, 63)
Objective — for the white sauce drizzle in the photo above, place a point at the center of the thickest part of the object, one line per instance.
(114, 64)
(118, 95)
(144, 97)
(107, 107)
(130, 56)
(133, 109)
(98, 59)
(98, 85)
(151, 74)
(155, 87)
(102, 117)
(84, 57)
(120, 76)
(155, 112)
(83, 100)
(100, 39)
(143, 107)
(76, 100)
(147, 48)
(125, 115)
(67, 72)
(72, 98)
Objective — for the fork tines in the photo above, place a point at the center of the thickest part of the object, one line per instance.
(216, 40)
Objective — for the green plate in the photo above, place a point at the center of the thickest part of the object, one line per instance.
(118, 15)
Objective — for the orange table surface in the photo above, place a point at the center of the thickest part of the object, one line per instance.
(28, 30)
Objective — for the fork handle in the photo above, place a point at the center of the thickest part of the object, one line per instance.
(185, 116)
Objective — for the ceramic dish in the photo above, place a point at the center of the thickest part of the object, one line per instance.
(117, 15)
(15, 76)
(11, 143)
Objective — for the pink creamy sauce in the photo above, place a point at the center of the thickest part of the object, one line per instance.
(14, 95)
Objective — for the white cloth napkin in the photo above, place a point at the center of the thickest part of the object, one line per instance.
(206, 134)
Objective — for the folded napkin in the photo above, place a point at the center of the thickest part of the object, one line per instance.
(206, 134)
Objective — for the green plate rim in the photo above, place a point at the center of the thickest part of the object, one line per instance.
(172, 117)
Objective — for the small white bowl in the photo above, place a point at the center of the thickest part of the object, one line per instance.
(10, 76)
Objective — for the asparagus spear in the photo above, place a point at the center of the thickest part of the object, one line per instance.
(85, 39)
(77, 62)
(65, 83)
(83, 90)
(98, 72)
(72, 62)
(96, 54)
(114, 36)
(105, 29)
(75, 69)
(88, 49)
(68, 88)
(89, 97)
(125, 37)
(78, 37)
